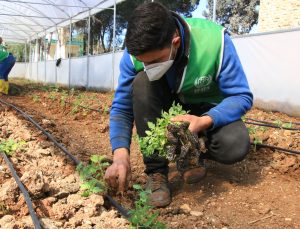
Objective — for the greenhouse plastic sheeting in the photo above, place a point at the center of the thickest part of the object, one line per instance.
(63, 72)
(32, 18)
(18, 70)
(100, 71)
(41, 72)
(271, 62)
(78, 72)
(34, 72)
(51, 71)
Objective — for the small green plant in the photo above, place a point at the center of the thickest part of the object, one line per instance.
(243, 118)
(10, 146)
(47, 87)
(156, 139)
(52, 95)
(253, 129)
(287, 125)
(3, 209)
(63, 98)
(92, 175)
(281, 124)
(36, 98)
(140, 217)
(106, 109)
(278, 123)
(262, 128)
(77, 104)
(256, 141)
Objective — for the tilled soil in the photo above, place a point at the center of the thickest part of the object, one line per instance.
(262, 191)
(53, 185)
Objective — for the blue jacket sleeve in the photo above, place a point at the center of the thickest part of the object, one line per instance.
(234, 87)
(121, 114)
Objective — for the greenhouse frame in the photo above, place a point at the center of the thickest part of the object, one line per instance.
(270, 59)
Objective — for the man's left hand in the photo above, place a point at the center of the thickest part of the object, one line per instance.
(197, 124)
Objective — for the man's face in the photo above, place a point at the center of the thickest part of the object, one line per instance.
(160, 55)
(155, 56)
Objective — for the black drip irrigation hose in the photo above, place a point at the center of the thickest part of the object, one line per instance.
(120, 209)
(256, 120)
(276, 147)
(124, 212)
(49, 136)
(270, 125)
(33, 215)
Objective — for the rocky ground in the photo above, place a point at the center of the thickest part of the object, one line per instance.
(263, 191)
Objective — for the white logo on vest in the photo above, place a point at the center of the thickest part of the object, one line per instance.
(202, 84)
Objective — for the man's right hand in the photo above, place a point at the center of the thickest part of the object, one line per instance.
(118, 174)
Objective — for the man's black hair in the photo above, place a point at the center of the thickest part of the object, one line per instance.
(151, 27)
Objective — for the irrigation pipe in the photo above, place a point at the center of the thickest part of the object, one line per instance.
(33, 215)
(256, 120)
(49, 136)
(119, 207)
(277, 148)
(270, 125)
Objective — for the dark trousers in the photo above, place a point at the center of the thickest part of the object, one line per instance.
(227, 144)
(5, 66)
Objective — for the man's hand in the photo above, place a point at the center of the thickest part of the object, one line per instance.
(118, 174)
(197, 124)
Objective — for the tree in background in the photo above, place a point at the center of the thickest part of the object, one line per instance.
(102, 22)
(238, 16)
(18, 50)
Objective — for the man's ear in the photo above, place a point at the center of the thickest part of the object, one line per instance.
(176, 41)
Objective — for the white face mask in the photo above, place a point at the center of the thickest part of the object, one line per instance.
(157, 70)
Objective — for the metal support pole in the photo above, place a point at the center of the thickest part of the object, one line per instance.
(45, 58)
(214, 10)
(69, 52)
(88, 52)
(25, 52)
(25, 56)
(30, 59)
(56, 57)
(114, 44)
(38, 59)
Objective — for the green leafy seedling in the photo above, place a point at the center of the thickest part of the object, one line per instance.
(140, 216)
(52, 95)
(156, 139)
(10, 146)
(287, 125)
(63, 98)
(251, 130)
(77, 104)
(36, 98)
(92, 174)
(278, 123)
(4, 210)
(255, 142)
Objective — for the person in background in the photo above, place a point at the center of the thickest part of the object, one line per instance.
(188, 61)
(7, 61)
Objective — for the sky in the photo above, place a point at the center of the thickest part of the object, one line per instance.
(198, 13)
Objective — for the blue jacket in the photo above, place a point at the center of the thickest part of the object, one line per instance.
(232, 84)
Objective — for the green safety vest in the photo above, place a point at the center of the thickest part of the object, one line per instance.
(199, 80)
(3, 53)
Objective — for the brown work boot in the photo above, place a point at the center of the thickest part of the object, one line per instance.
(160, 192)
(194, 175)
